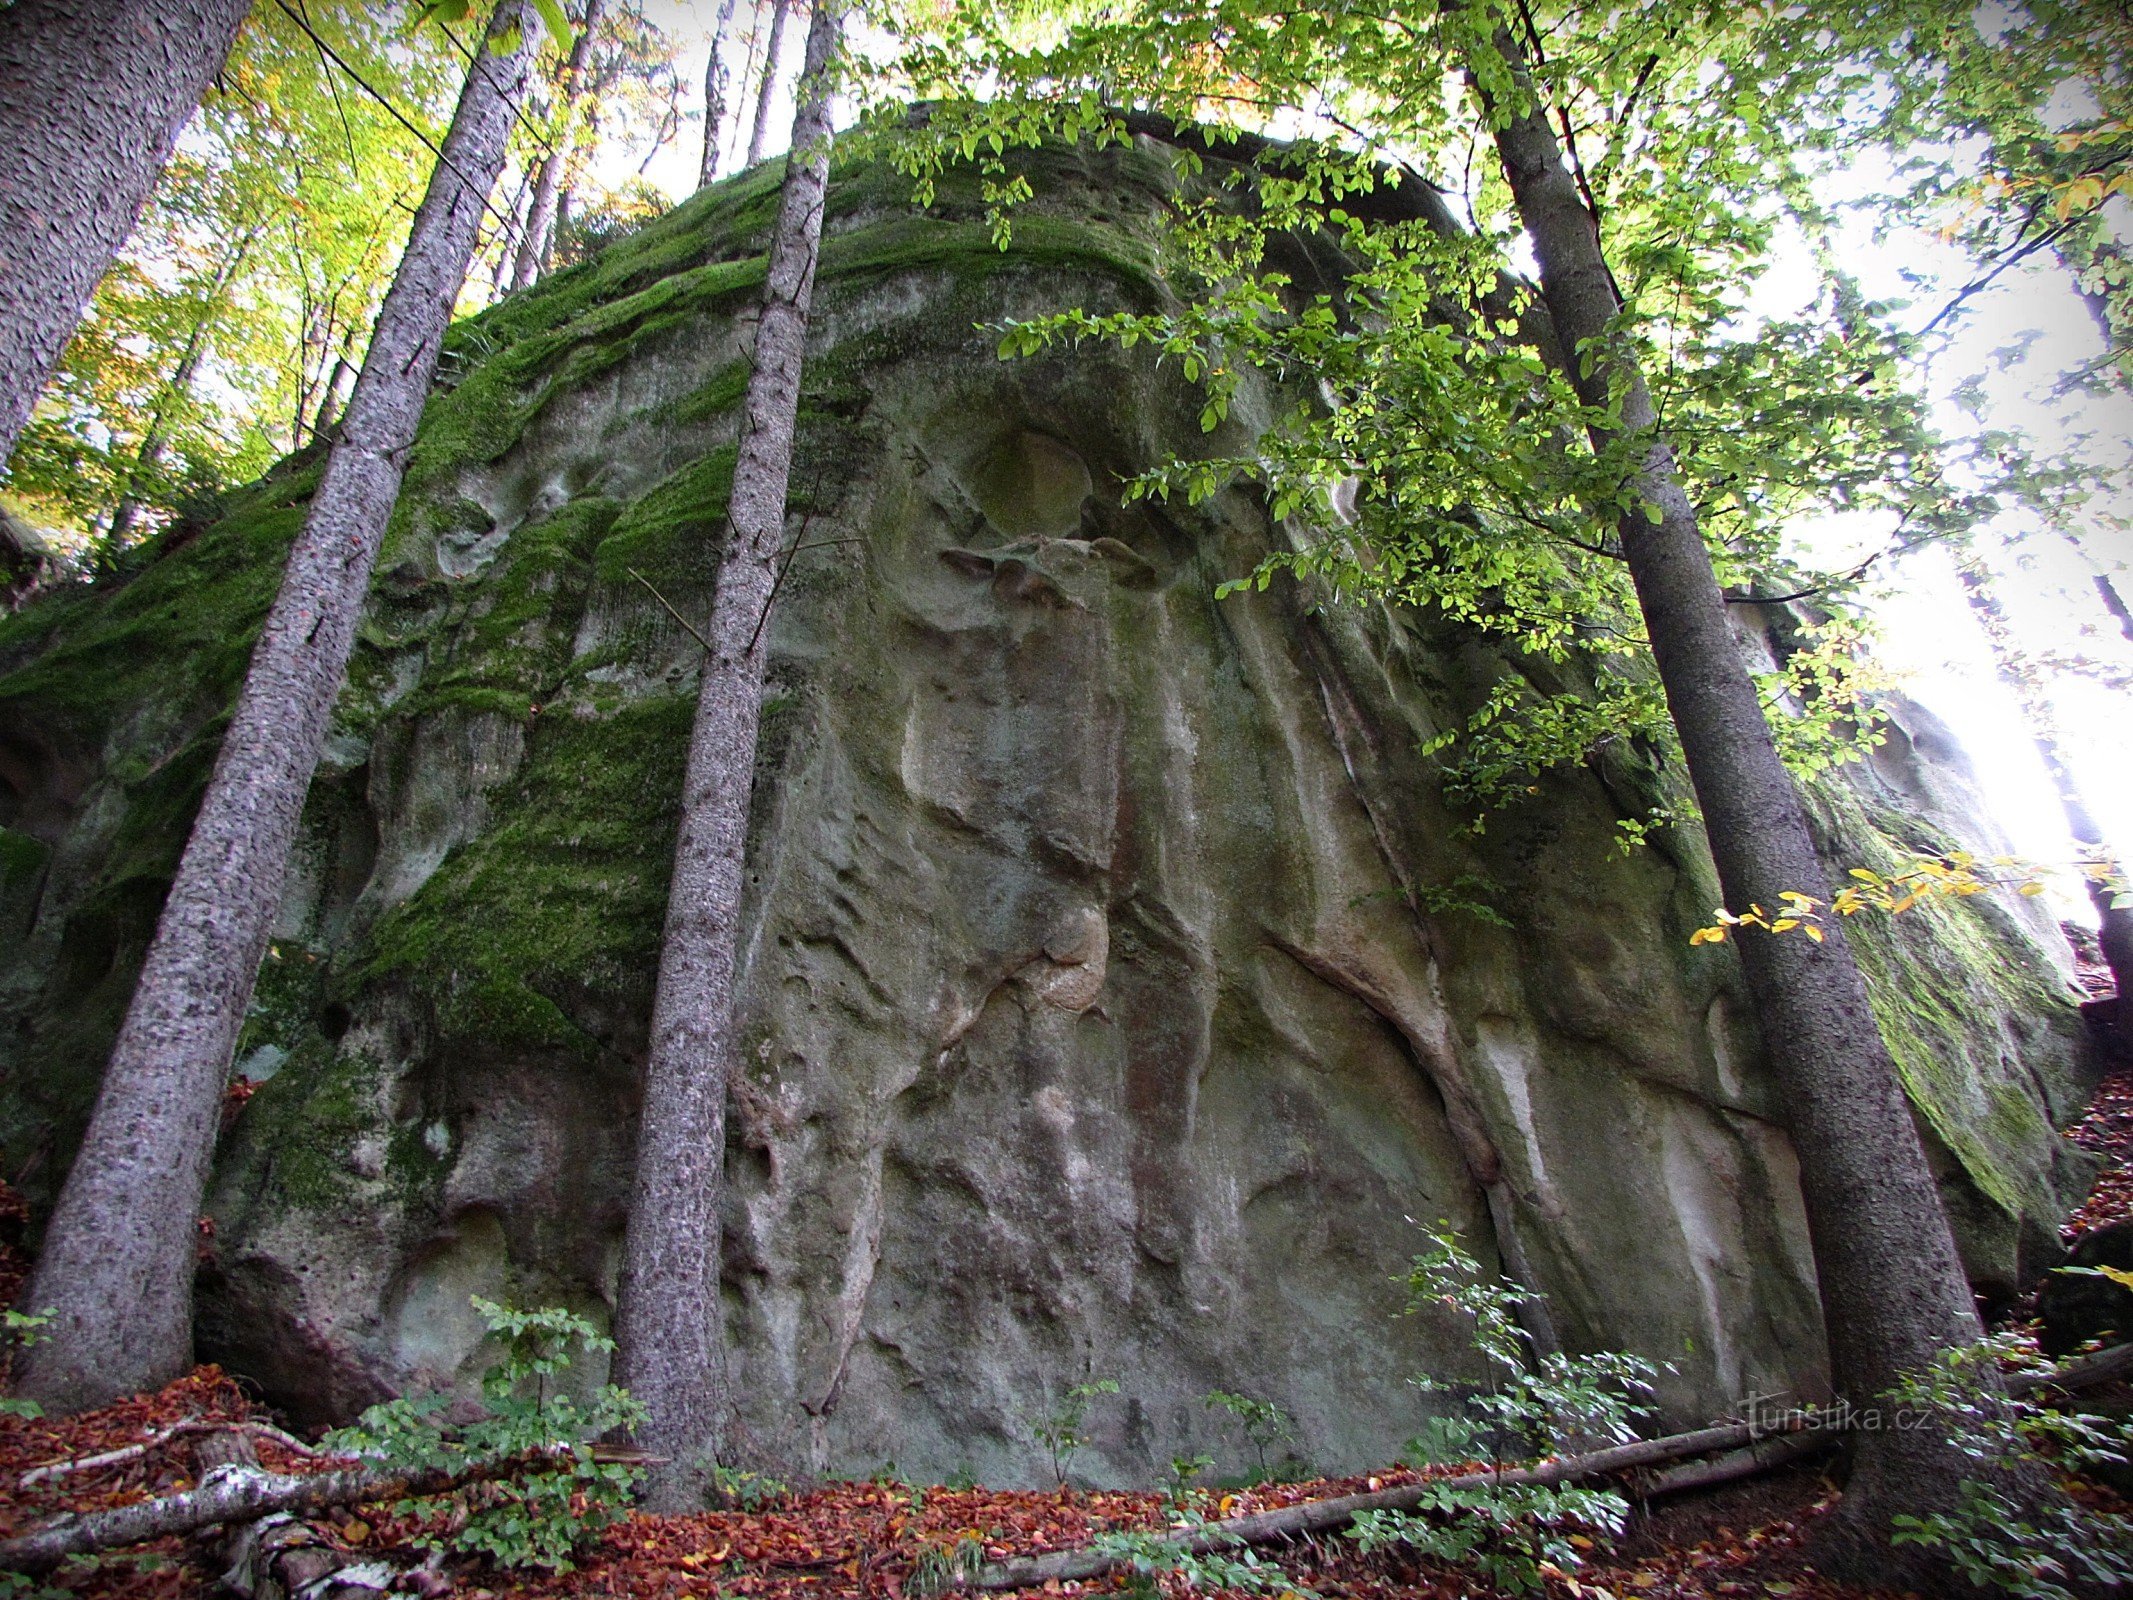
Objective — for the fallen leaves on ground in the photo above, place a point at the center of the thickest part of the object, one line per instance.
(2106, 1131)
(839, 1541)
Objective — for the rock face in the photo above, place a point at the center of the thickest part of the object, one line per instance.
(1120, 984)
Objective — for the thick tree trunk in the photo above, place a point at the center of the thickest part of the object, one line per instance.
(117, 1264)
(95, 91)
(1892, 1288)
(716, 83)
(668, 1326)
(768, 85)
(541, 211)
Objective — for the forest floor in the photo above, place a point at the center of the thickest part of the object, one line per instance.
(860, 1540)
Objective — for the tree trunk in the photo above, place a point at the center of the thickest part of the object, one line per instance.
(541, 211)
(149, 457)
(117, 1264)
(668, 1325)
(769, 83)
(716, 82)
(1892, 1289)
(329, 405)
(2114, 926)
(95, 91)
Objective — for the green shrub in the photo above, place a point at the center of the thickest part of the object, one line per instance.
(1060, 1430)
(1265, 1424)
(535, 1515)
(1998, 1536)
(1511, 1534)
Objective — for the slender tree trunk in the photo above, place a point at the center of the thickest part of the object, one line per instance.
(2113, 602)
(329, 405)
(668, 1325)
(541, 211)
(509, 229)
(1892, 1287)
(149, 457)
(117, 1265)
(95, 92)
(769, 84)
(2114, 926)
(716, 83)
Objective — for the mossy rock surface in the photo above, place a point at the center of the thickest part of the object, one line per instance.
(1111, 1002)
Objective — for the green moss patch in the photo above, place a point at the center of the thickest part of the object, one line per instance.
(671, 534)
(566, 892)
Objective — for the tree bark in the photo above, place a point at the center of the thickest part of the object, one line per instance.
(329, 405)
(117, 1263)
(716, 83)
(768, 85)
(96, 92)
(1892, 1288)
(541, 212)
(668, 1322)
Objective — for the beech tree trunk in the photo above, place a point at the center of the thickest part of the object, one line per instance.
(716, 82)
(117, 1265)
(541, 210)
(768, 84)
(669, 1329)
(1892, 1288)
(96, 92)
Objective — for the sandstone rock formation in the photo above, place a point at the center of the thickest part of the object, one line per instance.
(1117, 992)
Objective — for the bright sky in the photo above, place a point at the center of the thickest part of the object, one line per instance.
(2015, 341)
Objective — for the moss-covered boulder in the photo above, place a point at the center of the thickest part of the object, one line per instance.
(1119, 982)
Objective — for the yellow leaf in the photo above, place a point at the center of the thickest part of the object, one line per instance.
(1708, 936)
(2032, 889)
(2118, 1275)
(1784, 924)
(1865, 876)
(1814, 933)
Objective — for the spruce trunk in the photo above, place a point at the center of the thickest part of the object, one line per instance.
(117, 1264)
(767, 85)
(668, 1323)
(96, 92)
(1892, 1288)
(716, 80)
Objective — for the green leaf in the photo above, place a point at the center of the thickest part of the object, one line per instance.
(553, 19)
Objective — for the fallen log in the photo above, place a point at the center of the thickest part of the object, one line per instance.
(237, 1495)
(1765, 1455)
(1743, 1448)
(1323, 1516)
(282, 1554)
(163, 1436)
(2082, 1372)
